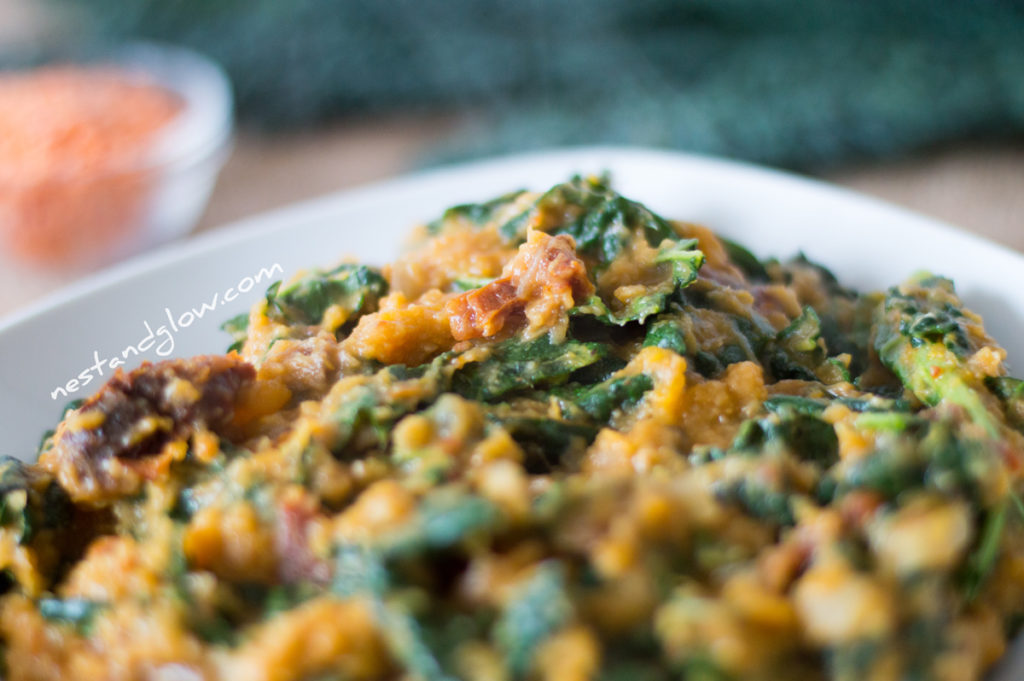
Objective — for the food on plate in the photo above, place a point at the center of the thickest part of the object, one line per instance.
(76, 148)
(559, 438)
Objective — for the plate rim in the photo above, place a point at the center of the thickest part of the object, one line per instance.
(253, 227)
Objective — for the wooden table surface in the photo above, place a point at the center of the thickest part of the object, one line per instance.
(979, 188)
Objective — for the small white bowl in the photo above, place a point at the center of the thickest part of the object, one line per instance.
(96, 216)
(190, 152)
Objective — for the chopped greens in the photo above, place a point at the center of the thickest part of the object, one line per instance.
(537, 609)
(681, 263)
(515, 366)
(354, 288)
(634, 452)
(76, 612)
(237, 327)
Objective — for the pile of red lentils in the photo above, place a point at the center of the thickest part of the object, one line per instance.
(76, 166)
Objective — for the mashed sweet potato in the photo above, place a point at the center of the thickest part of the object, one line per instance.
(560, 439)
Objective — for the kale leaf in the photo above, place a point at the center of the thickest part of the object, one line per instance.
(356, 288)
(514, 365)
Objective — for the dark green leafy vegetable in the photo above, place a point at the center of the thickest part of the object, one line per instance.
(357, 571)
(921, 337)
(361, 572)
(915, 453)
(356, 288)
(284, 597)
(366, 413)
(14, 475)
(983, 560)
(684, 260)
(77, 612)
(515, 366)
(30, 501)
(746, 261)
(537, 609)
(547, 441)
(600, 400)
(466, 283)
(407, 642)
(666, 333)
(446, 517)
(362, 410)
(1010, 392)
(478, 214)
(799, 351)
(780, 404)
(600, 220)
(789, 430)
(237, 327)
(760, 499)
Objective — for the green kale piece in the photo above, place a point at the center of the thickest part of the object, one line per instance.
(366, 413)
(874, 404)
(467, 283)
(446, 517)
(600, 220)
(792, 431)
(600, 400)
(537, 609)
(478, 214)
(14, 475)
(547, 441)
(844, 317)
(780, 404)
(514, 365)
(768, 501)
(666, 333)
(684, 262)
(921, 337)
(30, 501)
(789, 429)
(746, 261)
(357, 288)
(795, 352)
(361, 572)
(603, 224)
(238, 328)
(798, 351)
(284, 597)
(362, 409)
(406, 641)
(76, 612)
(913, 452)
(1010, 392)
(983, 559)
(358, 571)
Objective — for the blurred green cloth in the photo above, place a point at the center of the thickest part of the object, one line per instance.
(794, 83)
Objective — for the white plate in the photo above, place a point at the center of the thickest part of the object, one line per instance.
(868, 244)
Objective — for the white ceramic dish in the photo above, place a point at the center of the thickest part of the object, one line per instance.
(174, 179)
(869, 245)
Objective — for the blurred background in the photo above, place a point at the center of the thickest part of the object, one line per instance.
(918, 102)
